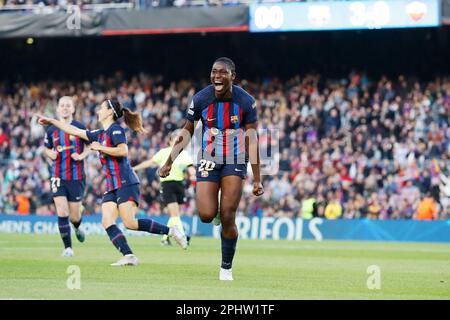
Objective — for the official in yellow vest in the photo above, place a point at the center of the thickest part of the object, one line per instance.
(309, 208)
(172, 188)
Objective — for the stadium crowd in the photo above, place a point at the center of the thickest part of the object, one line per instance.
(348, 148)
(140, 4)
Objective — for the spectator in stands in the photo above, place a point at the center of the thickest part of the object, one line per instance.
(3, 137)
(333, 210)
(427, 209)
(373, 207)
(23, 204)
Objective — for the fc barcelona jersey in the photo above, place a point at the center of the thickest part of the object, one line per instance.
(223, 135)
(64, 167)
(117, 169)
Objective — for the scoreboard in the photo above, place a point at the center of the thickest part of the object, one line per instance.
(343, 15)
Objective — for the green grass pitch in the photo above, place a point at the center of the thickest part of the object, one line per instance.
(31, 268)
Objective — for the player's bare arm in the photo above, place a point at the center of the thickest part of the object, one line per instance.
(252, 147)
(144, 165)
(70, 129)
(182, 141)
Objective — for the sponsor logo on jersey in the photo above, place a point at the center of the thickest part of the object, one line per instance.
(230, 132)
(117, 132)
(61, 148)
(191, 108)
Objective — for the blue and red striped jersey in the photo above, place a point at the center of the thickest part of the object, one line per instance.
(223, 134)
(64, 167)
(117, 169)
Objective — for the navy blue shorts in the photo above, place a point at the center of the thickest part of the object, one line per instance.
(123, 194)
(73, 190)
(210, 171)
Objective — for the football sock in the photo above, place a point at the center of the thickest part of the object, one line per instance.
(64, 230)
(118, 239)
(149, 225)
(228, 250)
(76, 224)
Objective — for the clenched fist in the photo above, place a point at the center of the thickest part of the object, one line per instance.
(165, 170)
(258, 189)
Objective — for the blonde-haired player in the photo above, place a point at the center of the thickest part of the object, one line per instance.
(67, 173)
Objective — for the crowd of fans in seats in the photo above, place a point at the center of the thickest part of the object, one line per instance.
(359, 147)
(139, 4)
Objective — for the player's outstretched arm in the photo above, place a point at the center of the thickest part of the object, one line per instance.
(144, 165)
(63, 126)
(182, 140)
(252, 147)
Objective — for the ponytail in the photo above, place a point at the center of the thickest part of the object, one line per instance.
(133, 120)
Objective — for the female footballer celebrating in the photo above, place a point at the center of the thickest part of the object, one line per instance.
(122, 194)
(228, 114)
(67, 173)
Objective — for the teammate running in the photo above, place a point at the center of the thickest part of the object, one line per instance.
(122, 195)
(67, 173)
